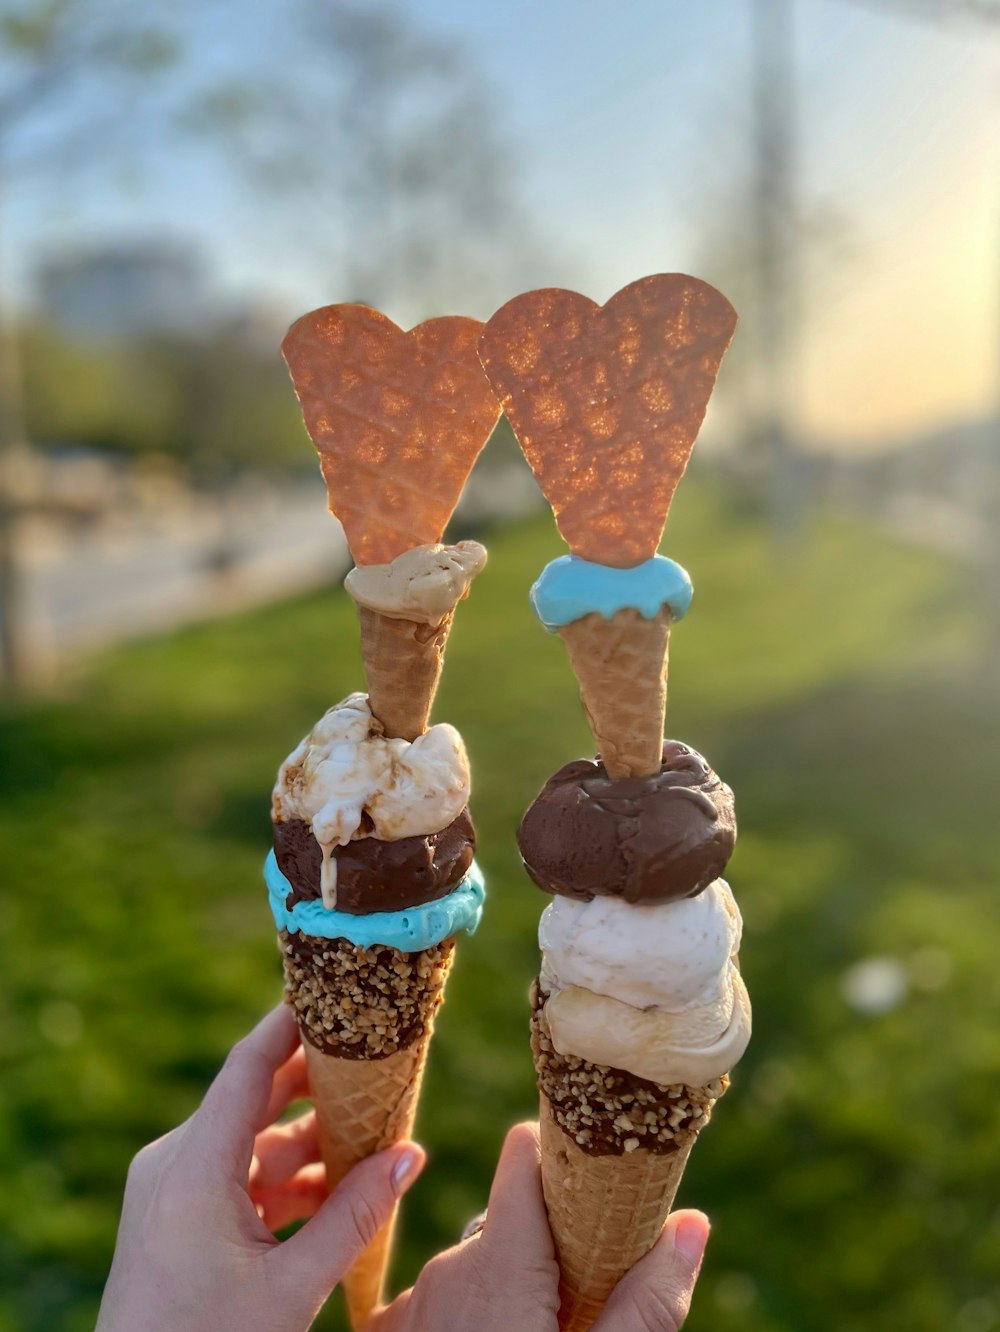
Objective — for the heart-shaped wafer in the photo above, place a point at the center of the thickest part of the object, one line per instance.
(398, 419)
(606, 401)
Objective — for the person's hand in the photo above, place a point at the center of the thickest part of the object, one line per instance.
(195, 1252)
(506, 1275)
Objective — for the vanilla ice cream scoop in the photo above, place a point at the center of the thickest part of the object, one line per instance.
(651, 989)
(423, 584)
(671, 954)
(347, 780)
(691, 1047)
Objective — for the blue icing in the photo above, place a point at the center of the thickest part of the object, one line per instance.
(571, 587)
(409, 930)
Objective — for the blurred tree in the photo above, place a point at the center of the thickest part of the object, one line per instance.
(382, 160)
(379, 159)
(52, 50)
(217, 404)
(768, 266)
(432, 213)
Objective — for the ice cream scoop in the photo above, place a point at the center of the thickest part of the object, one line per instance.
(689, 1048)
(373, 875)
(671, 955)
(652, 989)
(423, 584)
(646, 839)
(347, 780)
(407, 931)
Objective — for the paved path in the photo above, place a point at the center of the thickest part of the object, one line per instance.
(102, 586)
(200, 558)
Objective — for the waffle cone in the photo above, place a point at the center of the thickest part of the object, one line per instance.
(621, 666)
(363, 1106)
(605, 1212)
(607, 1205)
(403, 661)
(607, 401)
(398, 420)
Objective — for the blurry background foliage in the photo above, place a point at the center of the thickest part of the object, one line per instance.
(849, 1172)
(177, 184)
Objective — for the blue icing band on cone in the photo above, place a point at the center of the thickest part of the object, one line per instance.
(410, 930)
(571, 587)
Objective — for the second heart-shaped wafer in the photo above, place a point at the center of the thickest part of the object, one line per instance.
(398, 419)
(606, 401)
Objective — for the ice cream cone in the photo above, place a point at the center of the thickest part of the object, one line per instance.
(607, 1192)
(364, 1104)
(605, 1213)
(403, 663)
(621, 666)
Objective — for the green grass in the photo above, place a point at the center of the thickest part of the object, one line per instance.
(850, 1173)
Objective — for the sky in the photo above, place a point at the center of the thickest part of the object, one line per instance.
(630, 127)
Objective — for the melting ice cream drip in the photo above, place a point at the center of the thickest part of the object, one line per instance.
(348, 781)
(328, 877)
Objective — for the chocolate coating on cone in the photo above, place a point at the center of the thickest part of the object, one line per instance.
(611, 1112)
(648, 839)
(362, 1003)
(373, 875)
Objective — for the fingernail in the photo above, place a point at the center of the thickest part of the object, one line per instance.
(691, 1235)
(405, 1171)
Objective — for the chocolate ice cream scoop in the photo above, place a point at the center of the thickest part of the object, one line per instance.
(646, 839)
(376, 875)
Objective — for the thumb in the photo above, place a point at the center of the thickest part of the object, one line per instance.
(657, 1292)
(316, 1257)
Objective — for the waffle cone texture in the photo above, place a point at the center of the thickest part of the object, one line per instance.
(621, 666)
(605, 1213)
(403, 661)
(613, 1152)
(373, 1010)
(363, 1106)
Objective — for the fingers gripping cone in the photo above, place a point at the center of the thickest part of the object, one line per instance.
(621, 666)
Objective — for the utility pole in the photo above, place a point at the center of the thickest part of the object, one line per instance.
(777, 263)
(11, 440)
